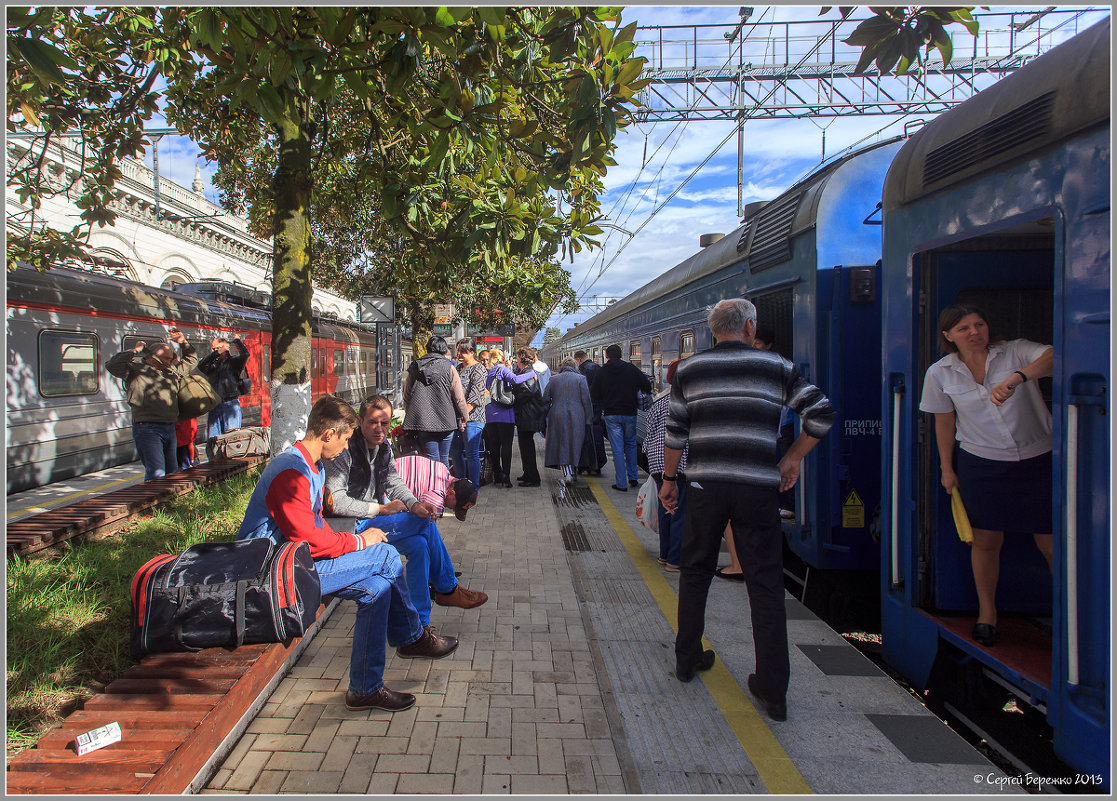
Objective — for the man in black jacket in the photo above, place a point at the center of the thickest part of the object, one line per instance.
(223, 371)
(589, 368)
(531, 416)
(615, 388)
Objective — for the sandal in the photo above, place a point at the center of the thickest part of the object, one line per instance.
(720, 573)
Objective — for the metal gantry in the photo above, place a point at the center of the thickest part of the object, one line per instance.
(760, 69)
(789, 70)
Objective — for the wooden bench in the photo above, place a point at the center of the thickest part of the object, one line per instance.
(111, 511)
(180, 715)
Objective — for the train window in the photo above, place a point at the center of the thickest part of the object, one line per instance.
(686, 344)
(339, 362)
(313, 361)
(634, 354)
(265, 362)
(202, 347)
(129, 342)
(657, 362)
(69, 363)
(321, 362)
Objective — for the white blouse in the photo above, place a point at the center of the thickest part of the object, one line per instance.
(1018, 429)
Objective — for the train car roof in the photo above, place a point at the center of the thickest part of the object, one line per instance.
(1061, 92)
(101, 293)
(788, 215)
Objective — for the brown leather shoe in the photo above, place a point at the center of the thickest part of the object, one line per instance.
(383, 698)
(460, 597)
(428, 646)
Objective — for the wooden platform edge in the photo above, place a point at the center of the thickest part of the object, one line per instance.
(207, 771)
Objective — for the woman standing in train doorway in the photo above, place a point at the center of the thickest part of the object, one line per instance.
(983, 394)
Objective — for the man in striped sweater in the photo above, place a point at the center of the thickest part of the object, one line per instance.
(725, 403)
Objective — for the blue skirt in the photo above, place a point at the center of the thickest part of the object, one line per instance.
(1006, 496)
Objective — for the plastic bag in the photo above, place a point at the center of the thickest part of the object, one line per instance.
(647, 505)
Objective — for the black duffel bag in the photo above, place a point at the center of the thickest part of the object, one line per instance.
(224, 594)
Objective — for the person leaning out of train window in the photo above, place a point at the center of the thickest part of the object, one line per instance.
(984, 396)
(223, 370)
(151, 377)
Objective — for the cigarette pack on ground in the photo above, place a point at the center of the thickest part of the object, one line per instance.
(98, 738)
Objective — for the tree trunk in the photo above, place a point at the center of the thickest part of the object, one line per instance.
(291, 284)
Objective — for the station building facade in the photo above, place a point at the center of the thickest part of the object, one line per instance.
(189, 239)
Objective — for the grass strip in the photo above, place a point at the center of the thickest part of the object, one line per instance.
(69, 612)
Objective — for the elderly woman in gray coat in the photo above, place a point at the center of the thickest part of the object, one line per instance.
(569, 413)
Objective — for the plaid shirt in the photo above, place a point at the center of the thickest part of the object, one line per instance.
(427, 479)
(657, 428)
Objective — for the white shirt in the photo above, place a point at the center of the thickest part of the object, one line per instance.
(1018, 429)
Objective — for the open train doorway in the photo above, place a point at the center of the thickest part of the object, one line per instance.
(1008, 273)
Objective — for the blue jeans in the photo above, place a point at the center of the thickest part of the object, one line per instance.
(436, 445)
(372, 577)
(466, 450)
(621, 429)
(223, 418)
(157, 447)
(428, 562)
(671, 526)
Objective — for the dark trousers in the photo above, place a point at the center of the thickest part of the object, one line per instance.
(527, 456)
(498, 441)
(754, 513)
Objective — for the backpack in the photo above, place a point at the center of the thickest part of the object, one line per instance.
(500, 394)
(224, 594)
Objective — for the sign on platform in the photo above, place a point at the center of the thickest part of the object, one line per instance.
(376, 309)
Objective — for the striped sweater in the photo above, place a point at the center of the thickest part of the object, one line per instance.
(725, 403)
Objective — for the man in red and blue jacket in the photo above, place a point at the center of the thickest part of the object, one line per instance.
(287, 504)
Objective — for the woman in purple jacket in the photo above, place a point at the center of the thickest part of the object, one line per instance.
(500, 419)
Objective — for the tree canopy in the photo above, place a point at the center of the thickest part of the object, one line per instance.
(437, 154)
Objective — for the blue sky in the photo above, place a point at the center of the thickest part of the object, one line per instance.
(654, 159)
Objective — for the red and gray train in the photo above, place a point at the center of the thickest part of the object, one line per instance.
(68, 417)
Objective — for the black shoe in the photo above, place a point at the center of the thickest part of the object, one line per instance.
(705, 662)
(529, 483)
(619, 489)
(507, 484)
(777, 710)
(428, 646)
(383, 698)
(521, 478)
(720, 573)
(984, 634)
(632, 483)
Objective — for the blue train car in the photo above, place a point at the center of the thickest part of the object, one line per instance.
(1004, 202)
(809, 260)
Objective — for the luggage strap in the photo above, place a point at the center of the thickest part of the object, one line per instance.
(239, 615)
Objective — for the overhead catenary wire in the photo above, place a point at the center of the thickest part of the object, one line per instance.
(743, 118)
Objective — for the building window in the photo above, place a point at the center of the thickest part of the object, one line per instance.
(69, 364)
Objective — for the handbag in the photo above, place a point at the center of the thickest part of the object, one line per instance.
(244, 382)
(196, 396)
(224, 594)
(500, 394)
(647, 505)
(241, 443)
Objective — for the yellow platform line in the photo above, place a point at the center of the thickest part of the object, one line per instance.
(775, 768)
(46, 506)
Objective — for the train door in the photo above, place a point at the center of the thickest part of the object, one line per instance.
(1010, 273)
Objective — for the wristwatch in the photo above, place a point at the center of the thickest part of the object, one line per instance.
(666, 477)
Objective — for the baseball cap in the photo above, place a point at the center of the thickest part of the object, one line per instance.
(465, 493)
